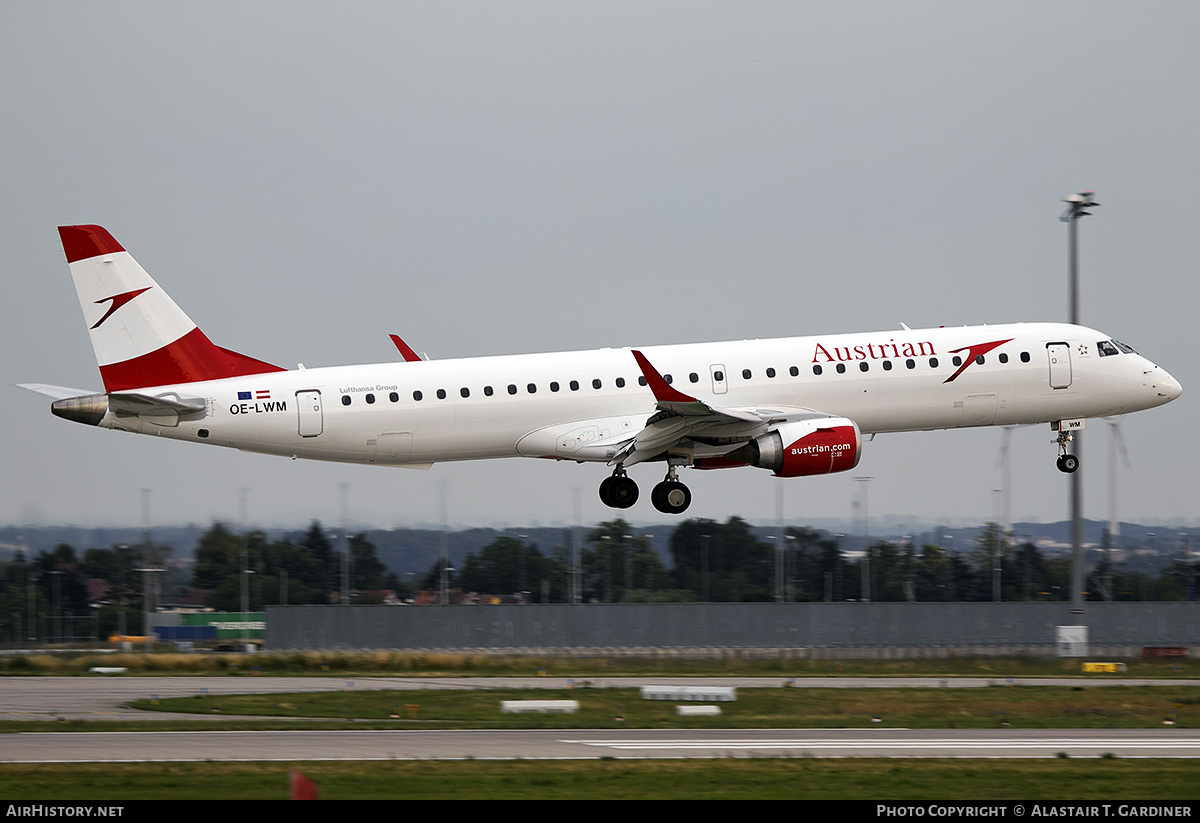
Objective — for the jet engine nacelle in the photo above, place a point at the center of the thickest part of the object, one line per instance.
(820, 446)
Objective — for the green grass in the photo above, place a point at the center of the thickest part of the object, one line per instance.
(1027, 707)
(1105, 779)
(745, 779)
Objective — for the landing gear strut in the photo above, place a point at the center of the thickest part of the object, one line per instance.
(670, 496)
(1067, 462)
(618, 491)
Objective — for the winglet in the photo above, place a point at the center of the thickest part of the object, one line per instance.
(663, 392)
(410, 356)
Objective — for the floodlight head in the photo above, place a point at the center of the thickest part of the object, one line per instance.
(1076, 205)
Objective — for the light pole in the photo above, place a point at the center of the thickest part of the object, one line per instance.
(1077, 207)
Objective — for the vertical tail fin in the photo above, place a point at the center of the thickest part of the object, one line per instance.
(140, 336)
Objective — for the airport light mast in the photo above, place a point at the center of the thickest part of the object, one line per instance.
(1077, 207)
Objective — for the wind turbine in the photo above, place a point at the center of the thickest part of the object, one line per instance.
(1004, 463)
(1115, 442)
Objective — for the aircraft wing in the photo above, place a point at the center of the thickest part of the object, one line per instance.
(681, 418)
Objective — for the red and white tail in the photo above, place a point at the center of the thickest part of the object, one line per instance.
(140, 336)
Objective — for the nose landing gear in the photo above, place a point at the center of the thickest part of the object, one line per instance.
(1067, 462)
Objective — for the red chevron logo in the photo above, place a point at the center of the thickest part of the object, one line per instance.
(118, 300)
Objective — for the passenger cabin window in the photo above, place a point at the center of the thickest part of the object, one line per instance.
(816, 368)
(441, 393)
(487, 391)
(574, 385)
(370, 398)
(596, 383)
(979, 360)
(1003, 357)
(745, 374)
(887, 365)
(770, 372)
(841, 368)
(693, 378)
(863, 366)
(512, 389)
(417, 396)
(1024, 357)
(394, 397)
(464, 391)
(794, 371)
(553, 385)
(345, 400)
(620, 382)
(933, 362)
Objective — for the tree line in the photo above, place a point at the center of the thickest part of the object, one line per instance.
(64, 593)
(727, 562)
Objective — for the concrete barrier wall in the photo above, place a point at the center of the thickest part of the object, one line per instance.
(818, 628)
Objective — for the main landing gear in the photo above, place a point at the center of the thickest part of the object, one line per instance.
(618, 491)
(669, 497)
(1067, 462)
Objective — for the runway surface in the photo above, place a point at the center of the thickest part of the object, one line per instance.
(346, 744)
(105, 698)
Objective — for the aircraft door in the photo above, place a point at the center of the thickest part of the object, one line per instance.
(311, 418)
(717, 372)
(1059, 355)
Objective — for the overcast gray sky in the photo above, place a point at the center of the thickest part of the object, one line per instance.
(304, 178)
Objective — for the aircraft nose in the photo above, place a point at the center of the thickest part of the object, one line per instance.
(1167, 386)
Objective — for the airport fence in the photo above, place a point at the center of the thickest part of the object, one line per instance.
(775, 629)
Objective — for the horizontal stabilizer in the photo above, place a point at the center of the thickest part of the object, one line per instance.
(57, 392)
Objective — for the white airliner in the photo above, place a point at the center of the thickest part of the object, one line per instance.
(794, 406)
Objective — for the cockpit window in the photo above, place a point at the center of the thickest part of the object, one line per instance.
(1106, 348)
(1125, 347)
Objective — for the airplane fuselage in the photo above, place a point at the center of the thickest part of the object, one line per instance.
(796, 406)
(417, 413)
